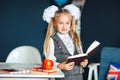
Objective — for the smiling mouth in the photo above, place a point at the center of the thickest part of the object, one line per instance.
(64, 29)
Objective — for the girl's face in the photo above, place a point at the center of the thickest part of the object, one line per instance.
(63, 23)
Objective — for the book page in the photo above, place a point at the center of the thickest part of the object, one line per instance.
(92, 46)
(79, 55)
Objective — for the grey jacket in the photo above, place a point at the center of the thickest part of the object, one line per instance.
(61, 54)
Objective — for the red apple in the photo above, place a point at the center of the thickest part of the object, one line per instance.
(47, 64)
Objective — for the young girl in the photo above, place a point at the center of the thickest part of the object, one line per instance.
(62, 41)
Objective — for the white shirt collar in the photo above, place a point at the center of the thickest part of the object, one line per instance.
(63, 35)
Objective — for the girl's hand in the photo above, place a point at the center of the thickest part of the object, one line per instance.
(84, 63)
(64, 66)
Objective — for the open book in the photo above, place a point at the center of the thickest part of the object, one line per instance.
(80, 57)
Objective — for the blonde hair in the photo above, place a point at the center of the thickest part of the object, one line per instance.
(51, 31)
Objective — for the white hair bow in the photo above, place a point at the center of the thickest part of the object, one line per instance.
(50, 12)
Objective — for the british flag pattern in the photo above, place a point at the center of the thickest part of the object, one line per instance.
(114, 72)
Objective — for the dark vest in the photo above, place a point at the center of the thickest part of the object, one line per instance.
(61, 53)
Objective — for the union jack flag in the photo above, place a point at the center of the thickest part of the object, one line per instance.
(114, 72)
